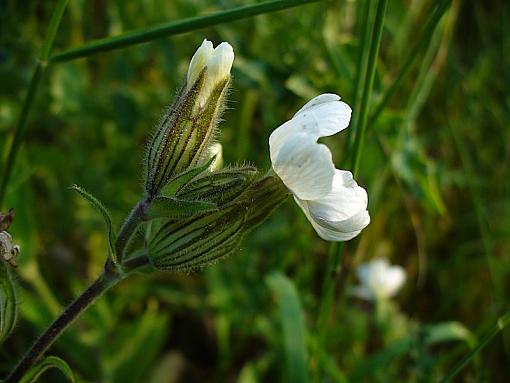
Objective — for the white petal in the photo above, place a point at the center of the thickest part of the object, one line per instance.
(341, 214)
(380, 278)
(324, 119)
(305, 167)
(219, 63)
(320, 117)
(198, 61)
(321, 99)
(395, 278)
(345, 200)
(279, 136)
(326, 232)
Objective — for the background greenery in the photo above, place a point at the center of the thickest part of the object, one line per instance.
(435, 164)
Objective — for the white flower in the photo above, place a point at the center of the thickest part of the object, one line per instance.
(217, 63)
(330, 198)
(378, 280)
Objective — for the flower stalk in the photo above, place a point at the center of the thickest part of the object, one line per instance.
(104, 282)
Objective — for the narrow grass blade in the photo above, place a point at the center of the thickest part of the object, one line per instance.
(369, 82)
(174, 28)
(39, 70)
(293, 323)
(502, 322)
(423, 41)
(361, 64)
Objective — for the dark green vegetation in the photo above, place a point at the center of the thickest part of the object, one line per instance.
(435, 162)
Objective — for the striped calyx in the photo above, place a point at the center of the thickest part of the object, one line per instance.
(184, 135)
(204, 238)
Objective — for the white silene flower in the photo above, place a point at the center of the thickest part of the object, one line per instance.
(217, 63)
(330, 198)
(379, 280)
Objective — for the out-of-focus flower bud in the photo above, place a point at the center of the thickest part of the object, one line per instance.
(379, 280)
(184, 134)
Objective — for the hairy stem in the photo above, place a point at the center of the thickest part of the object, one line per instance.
(104, 282)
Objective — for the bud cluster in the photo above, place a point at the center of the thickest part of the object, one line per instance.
(197, 212)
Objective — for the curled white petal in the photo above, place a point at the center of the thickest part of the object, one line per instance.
(322, 116)
(379, 279)
(341, 214)
(330, 198)
(305, 167)
(321, 99)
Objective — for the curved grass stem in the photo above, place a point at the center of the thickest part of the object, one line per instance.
(38, 74)
(174, 28)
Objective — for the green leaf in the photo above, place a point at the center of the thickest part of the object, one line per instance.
(134, 346)
(448, 331)
(293, 323)
(419, 173)
(112, 236)
(8, 301)
(182, 179)
(50, 362)
(498, 327)
(174, 208)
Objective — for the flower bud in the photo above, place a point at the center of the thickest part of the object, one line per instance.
(8, 251)
(185, 132)
(215, 63)
(199, 240)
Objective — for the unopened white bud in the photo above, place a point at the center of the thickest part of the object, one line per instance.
(217, 63)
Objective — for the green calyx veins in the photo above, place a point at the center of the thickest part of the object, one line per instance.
(191, 215)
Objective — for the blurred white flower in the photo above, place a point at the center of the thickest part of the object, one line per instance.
(330, 198)
(378, 280)
(217, 63)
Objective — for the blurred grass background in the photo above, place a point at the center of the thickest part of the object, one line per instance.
(435, 164)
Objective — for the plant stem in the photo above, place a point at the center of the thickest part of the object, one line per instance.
(328, 286)
(40, 69)
(361, 64)
(104, 282)
(369, 82)
(423, 41)
(173, 28)
(501, 323)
